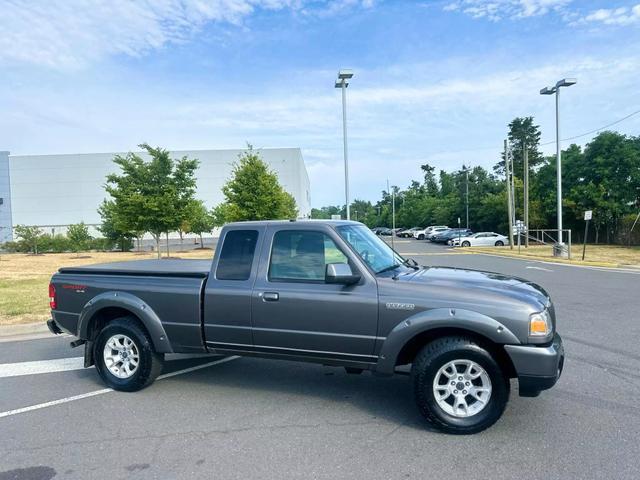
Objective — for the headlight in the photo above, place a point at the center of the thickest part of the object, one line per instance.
(540, 324)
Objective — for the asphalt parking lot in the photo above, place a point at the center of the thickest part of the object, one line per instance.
(251, 418)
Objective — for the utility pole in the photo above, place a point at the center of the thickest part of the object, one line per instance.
(393, 213)
(466, 169)
(513, 187)
(508, 185)
(526, 195)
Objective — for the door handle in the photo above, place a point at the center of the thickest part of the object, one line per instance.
(270, 297)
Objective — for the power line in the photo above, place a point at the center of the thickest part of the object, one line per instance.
(594, 130)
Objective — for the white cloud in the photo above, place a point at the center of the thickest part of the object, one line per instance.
(614, 16)
(399, 116)
(498, 9)
(74, 33)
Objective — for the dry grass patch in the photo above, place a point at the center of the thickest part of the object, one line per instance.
(597, 255)
(24, 279)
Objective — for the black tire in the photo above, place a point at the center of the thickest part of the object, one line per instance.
(150, 362)
(499, 243)
(421, 237)
(426, 365)
(466, 244)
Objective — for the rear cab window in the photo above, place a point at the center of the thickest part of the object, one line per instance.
(236, 256)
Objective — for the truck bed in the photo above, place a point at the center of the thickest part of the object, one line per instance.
(156, 268)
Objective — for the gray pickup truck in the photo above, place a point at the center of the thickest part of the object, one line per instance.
(330, 292)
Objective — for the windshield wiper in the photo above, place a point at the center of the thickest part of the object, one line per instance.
(390, 267)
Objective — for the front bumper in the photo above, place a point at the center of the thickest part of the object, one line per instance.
(537, 368)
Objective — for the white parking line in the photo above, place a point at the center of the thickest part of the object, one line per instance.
(539, 268)
(63, 365)
(41, 366)
(60, 401)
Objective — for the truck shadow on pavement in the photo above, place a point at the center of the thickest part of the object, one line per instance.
(314, 386)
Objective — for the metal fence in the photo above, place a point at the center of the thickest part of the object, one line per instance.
(554, 237)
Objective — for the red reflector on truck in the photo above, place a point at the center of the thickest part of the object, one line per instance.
(52, 297)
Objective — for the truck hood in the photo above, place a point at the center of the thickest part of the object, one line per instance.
(474, 286)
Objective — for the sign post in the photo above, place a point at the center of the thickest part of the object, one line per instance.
(519, 231)
(588, 214)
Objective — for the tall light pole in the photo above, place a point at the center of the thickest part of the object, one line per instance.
(566, 82)
(342, 83)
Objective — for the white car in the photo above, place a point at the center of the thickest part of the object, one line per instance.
(480, 239)
(427, 232)
(435, 231)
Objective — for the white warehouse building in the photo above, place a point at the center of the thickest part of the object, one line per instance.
(54, 191)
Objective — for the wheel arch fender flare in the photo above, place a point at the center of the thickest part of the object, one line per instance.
(132, 304)
(456, 318)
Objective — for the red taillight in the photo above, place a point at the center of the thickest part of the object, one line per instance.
(52, 297)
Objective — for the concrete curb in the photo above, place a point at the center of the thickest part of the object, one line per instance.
(24, 329)
(551, 260)
(622, 269)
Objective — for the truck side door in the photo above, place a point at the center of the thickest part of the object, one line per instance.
(227, 295)
(295, 312)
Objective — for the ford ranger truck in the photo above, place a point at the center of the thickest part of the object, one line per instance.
(330, 292)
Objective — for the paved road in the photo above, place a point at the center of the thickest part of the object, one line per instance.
(251, 418)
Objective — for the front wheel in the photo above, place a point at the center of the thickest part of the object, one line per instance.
(458, 385)
(124, 356)
(466, 244)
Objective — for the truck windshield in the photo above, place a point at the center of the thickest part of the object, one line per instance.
(375, 252)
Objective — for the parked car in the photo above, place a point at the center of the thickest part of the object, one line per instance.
(445, 236)
(480, 239)
(425, 233)
(329, 292)
(408, 233)
(399, 231)
(381, 230)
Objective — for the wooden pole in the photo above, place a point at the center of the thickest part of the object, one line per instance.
(508, 185)
(526, 197)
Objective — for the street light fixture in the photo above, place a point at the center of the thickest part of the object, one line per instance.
(342, 83)
(565, 82)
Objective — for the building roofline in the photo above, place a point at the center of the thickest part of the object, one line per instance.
(142, 151)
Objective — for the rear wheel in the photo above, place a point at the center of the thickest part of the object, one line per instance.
(124, 356)
(421, 237)
(499, 243)
(466, 244)
(458, 385)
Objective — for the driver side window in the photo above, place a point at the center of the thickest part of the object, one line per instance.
(302, 256)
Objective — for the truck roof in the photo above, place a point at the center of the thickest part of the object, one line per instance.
(293, 221)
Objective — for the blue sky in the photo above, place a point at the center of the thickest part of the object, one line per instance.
(436, 81)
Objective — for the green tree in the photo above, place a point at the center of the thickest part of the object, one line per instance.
(78, 235)
(151, 196)
(30, 235)
(326, 212)
(199, 220)
(114, 232)
(522, 131)
(253, 192)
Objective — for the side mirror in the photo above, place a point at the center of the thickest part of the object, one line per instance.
(340, 273)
